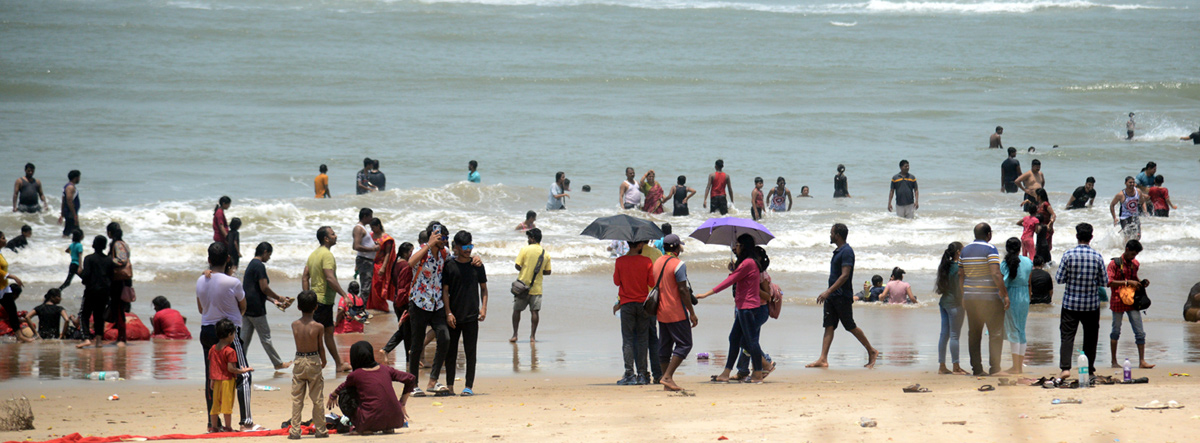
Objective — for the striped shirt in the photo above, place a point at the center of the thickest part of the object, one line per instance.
(1081, 272)
(977, 260)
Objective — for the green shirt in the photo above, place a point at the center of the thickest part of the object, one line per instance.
(318, 262)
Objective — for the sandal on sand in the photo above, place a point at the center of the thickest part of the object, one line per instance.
(986, 388)
(714, 380)
(440, 389)
(915, 389)
(417, 392)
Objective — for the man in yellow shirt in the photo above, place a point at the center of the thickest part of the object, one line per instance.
(320, 276)
(527, 262)
(321, 183)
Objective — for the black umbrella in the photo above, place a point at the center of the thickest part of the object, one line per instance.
(623, 227)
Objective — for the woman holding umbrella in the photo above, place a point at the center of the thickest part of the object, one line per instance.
(746, 299)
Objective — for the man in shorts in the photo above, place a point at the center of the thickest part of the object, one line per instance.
(718, 190)
(839, 301)
(320, 276)
(526, 263)
(904, 189)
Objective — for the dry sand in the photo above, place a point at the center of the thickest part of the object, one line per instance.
(794, 405)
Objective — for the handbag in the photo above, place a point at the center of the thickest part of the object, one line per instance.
(128, 295)
(1141, 300)
(123, 272)
(520, 288)
(650, 306)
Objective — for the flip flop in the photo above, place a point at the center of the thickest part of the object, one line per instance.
(986, 388)
(417, 392)
(916, 389)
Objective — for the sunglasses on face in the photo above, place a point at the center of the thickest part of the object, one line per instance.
(468, 247)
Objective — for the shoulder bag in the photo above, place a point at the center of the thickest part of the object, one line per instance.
(520, 288)
(650, 306)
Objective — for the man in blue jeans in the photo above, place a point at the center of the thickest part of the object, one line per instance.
(1081, 272)
(1122, 277)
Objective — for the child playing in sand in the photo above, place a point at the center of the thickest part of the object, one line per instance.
(223, 369)
(352, 311)
(307, 366)
(76, 251)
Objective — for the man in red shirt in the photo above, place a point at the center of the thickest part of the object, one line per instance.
(718, 189)
(632, 277)
(1123, 279)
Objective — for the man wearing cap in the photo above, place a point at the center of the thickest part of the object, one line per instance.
(676, 316)
(1083, 195)
(527, 262)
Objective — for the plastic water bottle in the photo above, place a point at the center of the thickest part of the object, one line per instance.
(1128, 371)
(1084, 378)
(104, 376)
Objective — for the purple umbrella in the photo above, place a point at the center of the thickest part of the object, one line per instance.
(725, 231)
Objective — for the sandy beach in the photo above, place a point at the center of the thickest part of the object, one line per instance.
(794, 405)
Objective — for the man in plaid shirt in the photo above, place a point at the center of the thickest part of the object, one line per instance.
(1081, 272)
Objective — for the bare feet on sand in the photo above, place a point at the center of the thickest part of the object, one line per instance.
(820, 364)
(283, 366)
(669, 385)
(513, 339)
(345, 367)
(532, 339)
(85, 344)
(959, 371)
(872, 355)
(1145, 365)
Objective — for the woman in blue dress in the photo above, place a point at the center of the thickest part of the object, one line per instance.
(1016, 269)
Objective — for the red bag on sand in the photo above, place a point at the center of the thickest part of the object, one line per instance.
(5, 329)
(135, 330)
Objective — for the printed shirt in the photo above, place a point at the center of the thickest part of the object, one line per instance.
(977, 259)
(904, 185)
(1081, 272)
(427, 286)
(1127, 272)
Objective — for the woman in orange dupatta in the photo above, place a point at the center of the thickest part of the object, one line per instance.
(383, 285)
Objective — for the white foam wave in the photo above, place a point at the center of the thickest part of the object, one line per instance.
(844, 24)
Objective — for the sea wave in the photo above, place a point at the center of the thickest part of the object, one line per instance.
(869, 7)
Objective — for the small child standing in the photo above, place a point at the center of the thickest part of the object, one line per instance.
(76, 251)
(352, 311)
(757, 205)
(1029, 226)
(234, 240)
(306, 368)
(223, 369)
(1161, 198)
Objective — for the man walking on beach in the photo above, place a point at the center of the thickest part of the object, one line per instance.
(558, 195)
(1032, 180)
(676, 316)
(985, 298)
(320, 276)
(70, 204)
(1010, 169)
(527, 264)
(220, 297)
(838, 299)
(718, 189)
(994, 140)
(364, 245)
(904, 189)
(26, 192)
(631, 274)
(321, 183)
(258, 291)
(1124, 284)
(1081, 272)
(1084, 195)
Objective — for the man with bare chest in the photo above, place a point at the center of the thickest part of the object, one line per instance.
(1032, 180)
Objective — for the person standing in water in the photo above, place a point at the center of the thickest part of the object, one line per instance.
(1194, 137)
(364, 245)
(757, 205)
(1129, 127)
(629, 196)
(70, 204)
(718, 189)
(1010, 169)
(840, 187)
(779, 195)
(904, 189)
(26, 192)
(838, 300)
(321, 183)
(1160, 198)
(473, 172)
(1016, 269)
(362, 182)
(257, 287)
(220, 224)
(680, 194)
(558, 193)
(994, 140)
(985, 298)
(1131, 201)
(1032, 180)
(1083, 195)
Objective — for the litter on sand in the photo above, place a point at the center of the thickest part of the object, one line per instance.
(867, 422)
(1118, 408)
(916, 388)
(954, 423)
(1069, 401)
(1155, 404)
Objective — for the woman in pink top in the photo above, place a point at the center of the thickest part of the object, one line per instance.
(745, 280)
(1028, 229)
(897, 291)
(220, 224)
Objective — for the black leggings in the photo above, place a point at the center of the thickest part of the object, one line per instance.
(469, 332)
(419, 319)
(71, 271)
(94, 307)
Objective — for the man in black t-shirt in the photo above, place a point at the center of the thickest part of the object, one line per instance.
(1083, 195)
(258, 291)
(1010, 169)
(466, 285)
(1194, 137)
(1041, 284)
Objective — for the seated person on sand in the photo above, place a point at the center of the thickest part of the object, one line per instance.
(1191, 307)
(50, 317)
(368, 396)
(168, 323)
(871, 290)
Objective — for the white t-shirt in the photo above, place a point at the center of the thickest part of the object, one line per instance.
(219, 296)
(366, 242)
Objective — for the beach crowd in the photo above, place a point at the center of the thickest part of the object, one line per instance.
(437, 288)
